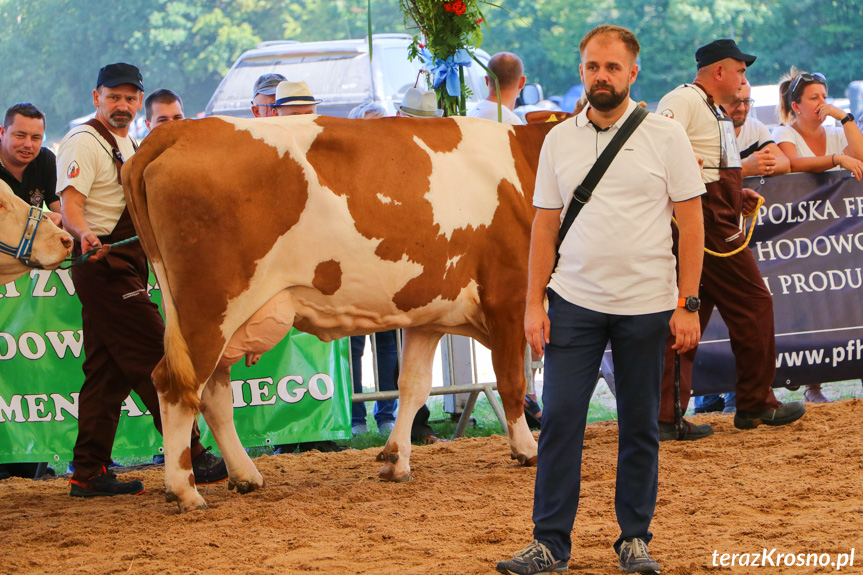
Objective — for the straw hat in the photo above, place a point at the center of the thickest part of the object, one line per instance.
(419, 104)
(294, 94)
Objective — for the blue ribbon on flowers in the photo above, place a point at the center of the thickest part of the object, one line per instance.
(446, 70)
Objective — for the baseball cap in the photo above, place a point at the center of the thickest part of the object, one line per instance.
(114, 75)
(720, 50)
(267, 84)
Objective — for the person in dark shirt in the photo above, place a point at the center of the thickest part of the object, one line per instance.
(28, 168)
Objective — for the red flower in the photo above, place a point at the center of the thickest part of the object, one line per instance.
(479, 21)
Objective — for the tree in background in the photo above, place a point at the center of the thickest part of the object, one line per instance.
(52, 49)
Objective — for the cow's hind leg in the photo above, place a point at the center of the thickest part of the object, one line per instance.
(177, 421)
(415, 381)
(507, 357)
(218, 410)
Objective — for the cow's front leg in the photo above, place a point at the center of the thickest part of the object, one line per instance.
(507, 357)
(177, 421)
(415, 380)
(218, 410)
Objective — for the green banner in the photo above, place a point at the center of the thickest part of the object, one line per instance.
(299, 391)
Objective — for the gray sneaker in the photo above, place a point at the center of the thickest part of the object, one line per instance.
(386, 427)
(635, 559)
(535, 559)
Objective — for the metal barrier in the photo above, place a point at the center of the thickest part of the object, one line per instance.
(454, 369)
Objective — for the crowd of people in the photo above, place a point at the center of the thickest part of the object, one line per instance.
(585, 289)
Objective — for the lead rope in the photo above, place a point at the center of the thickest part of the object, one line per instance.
(745, 244)
(83, 257)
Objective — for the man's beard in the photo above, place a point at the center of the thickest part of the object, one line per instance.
(606, 101)
(738, 120)
(120, 120)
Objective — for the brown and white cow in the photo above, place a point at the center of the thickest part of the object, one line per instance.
(51, 245)
(337, 227)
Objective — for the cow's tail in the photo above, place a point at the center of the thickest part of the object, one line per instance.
(182, 380)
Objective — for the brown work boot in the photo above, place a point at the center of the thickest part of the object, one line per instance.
(813, 394)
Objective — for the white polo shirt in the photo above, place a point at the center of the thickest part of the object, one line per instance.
(753, 136)
(687, 104)
(616, 257)
(85, 162)
(836, 141)
(488, 110)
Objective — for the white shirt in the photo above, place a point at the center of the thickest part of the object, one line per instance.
(753, 136)
(836, 141)
(616, 257)
(687, 104)
(85, 162)
(488, 110)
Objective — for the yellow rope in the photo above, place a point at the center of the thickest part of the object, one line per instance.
(752, 215)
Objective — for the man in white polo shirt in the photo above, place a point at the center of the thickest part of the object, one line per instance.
(616, 282)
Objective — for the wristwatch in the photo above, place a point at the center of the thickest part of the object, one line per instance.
(691, 303)
(846, 119)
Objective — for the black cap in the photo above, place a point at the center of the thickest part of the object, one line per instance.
(114, 75)
(720, 50)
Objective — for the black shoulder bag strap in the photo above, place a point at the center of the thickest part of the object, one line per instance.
(582, 193)
(112, 141)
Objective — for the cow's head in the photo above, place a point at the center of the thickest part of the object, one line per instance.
(50, 244)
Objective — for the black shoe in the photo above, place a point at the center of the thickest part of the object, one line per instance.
(634, 558)
(535, 559)
(322, 446)
(104, 484)
(780, 415)
(668, 431)
(208, 468)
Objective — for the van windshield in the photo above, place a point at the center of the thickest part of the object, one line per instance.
(401, 73)
(329, 76)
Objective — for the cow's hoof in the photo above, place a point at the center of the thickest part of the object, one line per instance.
(390, 475)
(527, 461)
(193, 507)
(388, 457)
(243, 487)
(171, 497)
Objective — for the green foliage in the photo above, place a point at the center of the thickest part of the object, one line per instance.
(445, 27)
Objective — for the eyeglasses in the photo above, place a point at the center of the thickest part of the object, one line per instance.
(816, 78)
(748, 102)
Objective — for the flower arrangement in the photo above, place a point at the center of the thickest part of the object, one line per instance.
(448, 30)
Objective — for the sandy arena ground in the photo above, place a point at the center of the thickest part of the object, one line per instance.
(798, 489)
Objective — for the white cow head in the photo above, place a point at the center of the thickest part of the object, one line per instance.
(51, 245)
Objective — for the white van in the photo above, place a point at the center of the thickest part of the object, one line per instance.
(339, 72)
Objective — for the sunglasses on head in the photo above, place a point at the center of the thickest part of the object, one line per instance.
(816, 78)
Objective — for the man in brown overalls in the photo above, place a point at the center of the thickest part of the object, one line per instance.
(731, 284)
(122, 328)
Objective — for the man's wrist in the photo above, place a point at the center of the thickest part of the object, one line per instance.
(689, 303)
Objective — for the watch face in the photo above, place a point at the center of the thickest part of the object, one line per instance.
(693, 303)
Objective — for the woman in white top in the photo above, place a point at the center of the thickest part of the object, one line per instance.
(810, 146)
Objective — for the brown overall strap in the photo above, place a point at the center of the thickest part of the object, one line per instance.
(112, 141)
